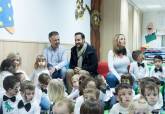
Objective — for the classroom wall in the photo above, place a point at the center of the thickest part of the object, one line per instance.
(27, 50)
(34, 19)
(118, 16)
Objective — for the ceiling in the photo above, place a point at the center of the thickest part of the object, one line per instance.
(150, 5)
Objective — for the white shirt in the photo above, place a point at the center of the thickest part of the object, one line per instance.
(35, 109)
(38, 94)
(118, 65)
(8, 106)
(117, 108)
(74, 94)
(36, 73)
(139, 72)
(158, 74)
(79, 102)
(158, 105)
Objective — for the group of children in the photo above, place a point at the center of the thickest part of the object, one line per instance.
(139, 92)
(142, 90)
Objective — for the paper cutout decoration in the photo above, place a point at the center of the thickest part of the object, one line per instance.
(150, 33)
(6, 15)
(150, 37)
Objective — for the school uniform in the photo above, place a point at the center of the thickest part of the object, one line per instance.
(74, 94)
(139, 70)
(118, 109)
(158, 73)
(41, 96)
(28, 108)
(9, 105)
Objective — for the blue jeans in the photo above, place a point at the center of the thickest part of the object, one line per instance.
(111, 79)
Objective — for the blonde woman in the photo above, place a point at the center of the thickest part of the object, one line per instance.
(118, 60)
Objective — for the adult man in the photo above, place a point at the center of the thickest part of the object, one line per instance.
(83, 57)
(56, 56)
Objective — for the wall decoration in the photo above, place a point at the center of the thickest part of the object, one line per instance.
(80, 9)
(6, 15)
(151, 33)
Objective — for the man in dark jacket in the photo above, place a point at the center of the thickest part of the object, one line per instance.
(83, 57)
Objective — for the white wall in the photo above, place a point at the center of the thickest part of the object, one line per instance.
(34, 19)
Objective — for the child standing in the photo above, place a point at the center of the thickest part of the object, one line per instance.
(40, 67)
(138, 68)
(10, 98)
(158, 70)
(27, 105)
(124, 96)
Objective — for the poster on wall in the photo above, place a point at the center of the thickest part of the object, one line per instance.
(6, 16)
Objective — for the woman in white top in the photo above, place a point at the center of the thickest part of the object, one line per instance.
(118, 60)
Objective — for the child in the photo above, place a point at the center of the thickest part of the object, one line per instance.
(27, 105)
(39, 67)
(10, 98)
(75, 87)
(65, 106)
(138, 68)
(41, 92)
(56, 91)
(150, 91)
(21, 76)
(17, 61)
(139, 106)
(91, 107)
(88, 94)
(7, 68)
(124, 96)
(158, 70)
(127, 79)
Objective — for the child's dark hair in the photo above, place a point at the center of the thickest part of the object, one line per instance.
(136, 53)
(101, 83)
(94, 91)
(81, 83)
(158, 57)
(44, 78)
(149, 85)
(19, 75)
(10, 82)
(7, 65)
(122, 86)
(27, 85)
(127, 78)
(91, 79)
(155, 80)
(91, 107)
